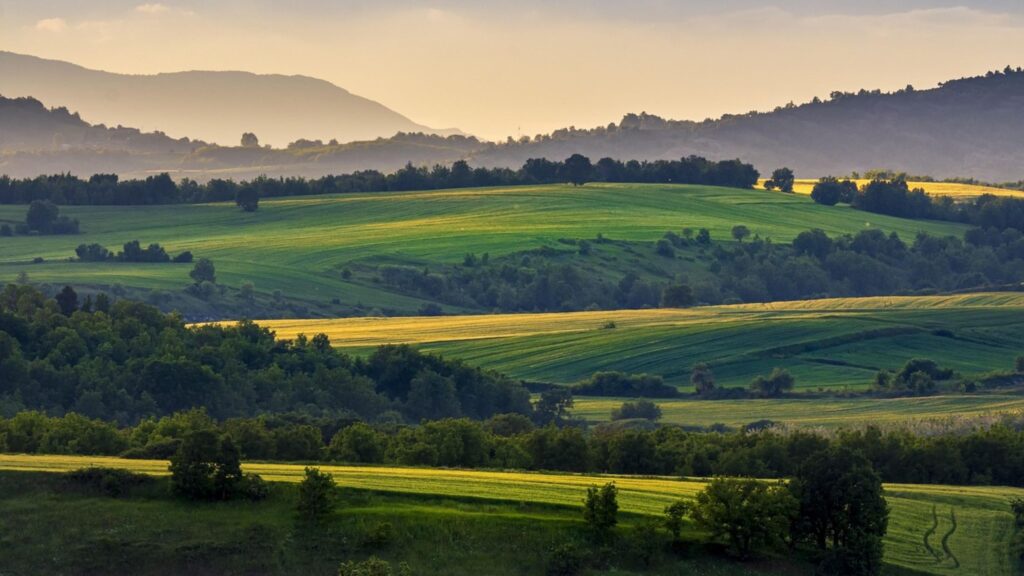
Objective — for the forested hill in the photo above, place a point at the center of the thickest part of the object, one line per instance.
(967, 127)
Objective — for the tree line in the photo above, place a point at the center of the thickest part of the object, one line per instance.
(109, 189)
(989, 451)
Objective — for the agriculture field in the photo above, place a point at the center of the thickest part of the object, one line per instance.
(829, 343)
(301, 245)
(952, 189)
(817, 412)
(932, 529)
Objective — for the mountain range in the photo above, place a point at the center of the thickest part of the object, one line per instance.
(970, 127)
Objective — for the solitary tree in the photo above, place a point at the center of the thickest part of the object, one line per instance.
(249, 140)
(577, 169)
(842, 506)
(782, 178)
(247, 198)
(740, 232)
(41, 215)
(203, 271)
(747, 513)
(67, 300)
(600, 510)
(702, 378)
(316, 496)
(674, 515)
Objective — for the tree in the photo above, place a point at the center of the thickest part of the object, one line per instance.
(247, 198)
(842, 505)
(702, 378)
(740, 232)
(644, 409)
(249, 140)
(827, 191)
(664, 248)
(41, 216)
(782, 178)
(703, 237)
(316, 496)
(677, 296)
(203, 271)
(779, 381)
(747, 513)
(194, 464)
(674, 515)
(600, 510)
(577, 169)
(553, 406)
(67, 300)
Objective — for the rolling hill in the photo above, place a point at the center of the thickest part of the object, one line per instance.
(302, 246)
(832, 343)
(208, 105)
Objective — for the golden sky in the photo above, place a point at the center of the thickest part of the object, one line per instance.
(496, 70)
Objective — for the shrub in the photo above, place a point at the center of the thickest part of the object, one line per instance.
(747, 513)
(664, 248)
(316, 496)
(112, 482)
(640, 409)
(779, 381)
(380, 536)
(567, 559)
(600, 510)
(620, 384)
(702, 378)
(373, 566)
(674, 515)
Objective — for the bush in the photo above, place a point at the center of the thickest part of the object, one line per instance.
(674, 515)
(664, 248)
(630, 385)
(778, 382)
(111, 482)
(640, 409)
(316, 496)
(567, 559)
(380, 536)
(183, 258)
(373, 566)
(747, 513)
(600, 511)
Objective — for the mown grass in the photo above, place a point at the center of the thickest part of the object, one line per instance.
(980, 542)
(830, 343)
(300, 245)
(952, 189)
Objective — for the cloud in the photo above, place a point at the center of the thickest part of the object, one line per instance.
(52, 25)
(152, 8)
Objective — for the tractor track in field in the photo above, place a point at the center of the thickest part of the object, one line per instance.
(946, 537)
(928, 534)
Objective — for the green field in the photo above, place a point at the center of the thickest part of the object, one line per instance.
(830, 343)
(978, 544)
(817, 412)
(300, 245)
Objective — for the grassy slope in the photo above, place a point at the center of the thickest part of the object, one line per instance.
(825, 343)
(980, 542)
(958, 191)
(299, 245)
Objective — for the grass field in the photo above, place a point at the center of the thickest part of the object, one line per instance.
(817, 412)
(300, 245)
(978, 542)
(825, 343)
(955, 190)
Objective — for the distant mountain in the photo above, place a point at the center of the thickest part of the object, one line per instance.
(37, 140)
(968, 127)
(213, 106)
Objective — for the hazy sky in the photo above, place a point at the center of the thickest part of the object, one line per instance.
(504, 68)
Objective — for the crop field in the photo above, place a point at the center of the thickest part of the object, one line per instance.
(829, 343)
(300, 245)
(932, 529)
(815, 412)
(953, 189)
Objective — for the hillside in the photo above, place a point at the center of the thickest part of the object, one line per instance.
(302, 246)
(208, 105)
(839, 343)
(968, 128)
(491, 506)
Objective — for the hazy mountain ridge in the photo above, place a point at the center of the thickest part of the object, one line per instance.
(213, 106)
(966, 127)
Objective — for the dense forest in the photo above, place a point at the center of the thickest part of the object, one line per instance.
(124, 361)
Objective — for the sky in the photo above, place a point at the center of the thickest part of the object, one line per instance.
(498, 69)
